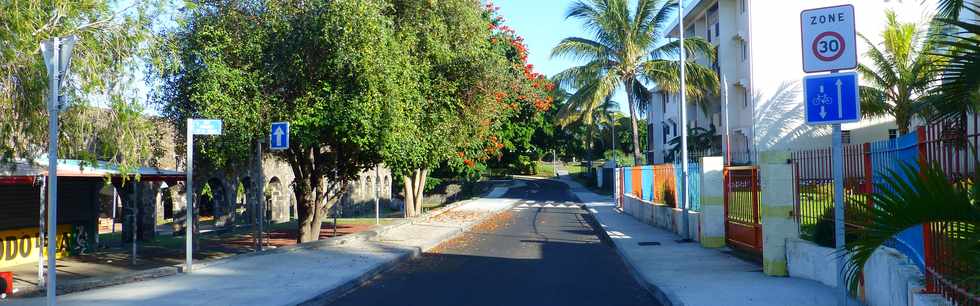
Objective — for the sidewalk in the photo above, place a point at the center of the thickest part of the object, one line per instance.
(687, 274)
(313, 272)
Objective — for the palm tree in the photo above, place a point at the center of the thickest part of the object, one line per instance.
(628, 49)
(900, 72)
(958, 88)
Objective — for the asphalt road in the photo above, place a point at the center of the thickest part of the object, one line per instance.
(527, 256)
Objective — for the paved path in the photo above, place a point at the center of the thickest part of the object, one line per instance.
(690, 275)
(291, 275)
(542, 252)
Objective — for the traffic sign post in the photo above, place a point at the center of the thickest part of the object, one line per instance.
(194, 127)
(829, 41)
(829, 44)
(279, 136)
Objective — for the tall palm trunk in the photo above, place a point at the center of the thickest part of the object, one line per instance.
(637, 159)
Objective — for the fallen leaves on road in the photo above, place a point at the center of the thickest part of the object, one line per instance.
(491, 224)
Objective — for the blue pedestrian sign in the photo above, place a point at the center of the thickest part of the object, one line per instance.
(280, 136)
(832, 98)
(205, 127)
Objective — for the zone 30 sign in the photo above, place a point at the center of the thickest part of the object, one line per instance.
(828, 39)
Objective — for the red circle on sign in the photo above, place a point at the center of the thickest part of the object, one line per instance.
(840, 51)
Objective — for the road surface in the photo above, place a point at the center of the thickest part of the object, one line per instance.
(530, 255)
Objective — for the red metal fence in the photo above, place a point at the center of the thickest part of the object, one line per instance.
(742, 227)
(949, 144)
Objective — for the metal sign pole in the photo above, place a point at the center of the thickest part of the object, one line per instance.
(838, 169)
(189, 191)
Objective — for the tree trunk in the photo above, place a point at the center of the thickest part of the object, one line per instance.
(637, 159)
(306, 210)
(414, 192)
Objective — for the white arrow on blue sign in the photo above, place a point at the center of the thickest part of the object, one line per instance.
(279, 136)
(832, 98)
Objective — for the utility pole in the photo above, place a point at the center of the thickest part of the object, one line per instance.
(683, 93)
(57, 58)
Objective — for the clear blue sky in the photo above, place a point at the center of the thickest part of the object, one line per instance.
(542, 23)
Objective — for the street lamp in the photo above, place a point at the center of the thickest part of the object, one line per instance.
(684, 158)
(57, 58)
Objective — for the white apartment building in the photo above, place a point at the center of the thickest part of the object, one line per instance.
(759, 56)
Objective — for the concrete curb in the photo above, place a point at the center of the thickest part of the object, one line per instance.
(663, 297)
(337, 292)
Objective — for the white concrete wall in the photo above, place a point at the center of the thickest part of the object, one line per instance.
(889, 277)
(662, 216)
(712, 203)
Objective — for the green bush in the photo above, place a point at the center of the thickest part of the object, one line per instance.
(621, 159)
(824, 234)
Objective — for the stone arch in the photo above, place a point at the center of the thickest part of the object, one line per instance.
(211, 204)
(277, 206)
(243, 200)
(166, 201)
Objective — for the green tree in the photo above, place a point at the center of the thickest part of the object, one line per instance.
(103, 118)
(334, 69)
(627, 49)
(900, 72)
(957, 90)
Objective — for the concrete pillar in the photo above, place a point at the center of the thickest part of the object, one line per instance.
(712, 217)
(778, 224)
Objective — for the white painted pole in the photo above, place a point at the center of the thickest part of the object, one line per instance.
(52, 236)
(189, 209)
(40, 234)
(683, 93)
(838, 171)
(377, 191)
(728, 136)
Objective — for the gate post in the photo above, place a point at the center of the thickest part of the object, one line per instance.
(778, 222)
(712, 202)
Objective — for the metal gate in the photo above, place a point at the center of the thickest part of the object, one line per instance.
(742, 227)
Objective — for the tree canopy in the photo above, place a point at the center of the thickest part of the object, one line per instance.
(103, 114)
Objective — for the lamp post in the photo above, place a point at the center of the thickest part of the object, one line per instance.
(683, 93)
(57, 58)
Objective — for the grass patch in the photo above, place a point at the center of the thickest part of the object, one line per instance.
(544, 169)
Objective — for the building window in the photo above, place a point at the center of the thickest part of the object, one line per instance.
(892, 133)
(745, 98)
(743, 4)
(666, 130)
(689, 32)
(745, 50)
(663, 103)
(717, 29)
(709, 34)
(845, 137)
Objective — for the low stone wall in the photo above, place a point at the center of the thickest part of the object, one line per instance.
(889, 277)
(662, 216)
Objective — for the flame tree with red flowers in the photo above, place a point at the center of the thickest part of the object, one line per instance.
(477, 93)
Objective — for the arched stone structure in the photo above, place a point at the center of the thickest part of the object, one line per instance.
(277, 199)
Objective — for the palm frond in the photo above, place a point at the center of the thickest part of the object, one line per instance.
(578, 48)
(910, 197)
(874, 104)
